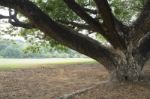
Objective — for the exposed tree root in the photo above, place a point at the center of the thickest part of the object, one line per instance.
(109, 83)
(79, 92)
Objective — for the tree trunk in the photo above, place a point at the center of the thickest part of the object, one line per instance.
(128, 68)
(127, 72)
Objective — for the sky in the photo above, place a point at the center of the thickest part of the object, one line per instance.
(4, 26)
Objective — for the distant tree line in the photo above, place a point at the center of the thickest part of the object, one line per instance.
(20, 49)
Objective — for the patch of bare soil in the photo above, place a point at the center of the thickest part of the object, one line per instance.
(49, 82)
(61, 80)
(116, 90)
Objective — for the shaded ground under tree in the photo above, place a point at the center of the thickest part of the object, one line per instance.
(61, 80)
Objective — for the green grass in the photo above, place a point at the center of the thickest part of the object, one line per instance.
(7, 64)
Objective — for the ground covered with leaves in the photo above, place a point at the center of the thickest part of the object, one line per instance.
(61, 80)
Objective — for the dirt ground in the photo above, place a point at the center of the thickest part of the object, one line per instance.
(48, 82)
(115, 90)
(53, 82)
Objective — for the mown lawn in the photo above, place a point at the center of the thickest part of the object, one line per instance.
(6, 64)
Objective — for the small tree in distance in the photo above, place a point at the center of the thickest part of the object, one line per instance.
(129, 49)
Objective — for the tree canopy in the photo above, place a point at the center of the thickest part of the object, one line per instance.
(60, 12)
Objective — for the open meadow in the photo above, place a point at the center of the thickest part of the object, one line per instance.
(32, 63)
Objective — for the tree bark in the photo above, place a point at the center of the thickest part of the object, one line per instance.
(128, 68)
(130, 71)
(142, 25)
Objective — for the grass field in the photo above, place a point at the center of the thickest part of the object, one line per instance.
(30, 63)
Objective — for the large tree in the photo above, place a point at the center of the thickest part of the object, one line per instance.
(129, 44)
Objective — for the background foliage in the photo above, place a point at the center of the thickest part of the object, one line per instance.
(20, 49)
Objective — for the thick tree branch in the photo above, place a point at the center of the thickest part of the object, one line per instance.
(144, 46)
(106, 14)
(90, 11)
(120, 27)
(13, 20)
(142, 25)
(109, 22)
(143, 50)
(75, 24)
(70, 38)
(87, 18)
(4, 17)
(95, 24)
